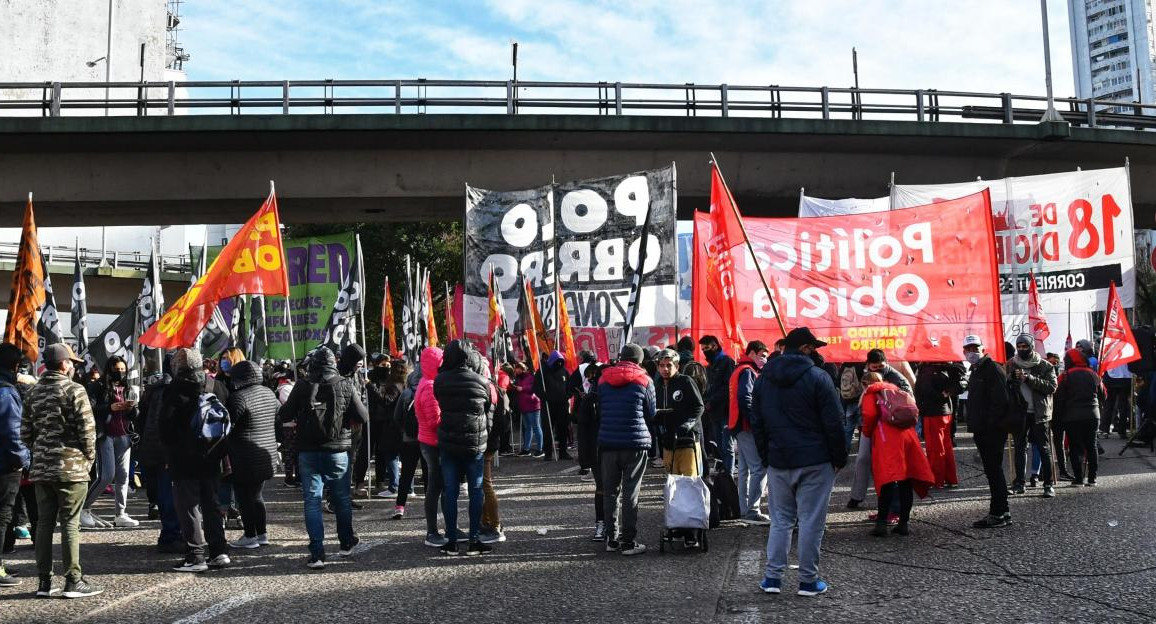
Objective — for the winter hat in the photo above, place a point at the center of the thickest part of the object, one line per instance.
(1025, 339)
(555, 356)
(186, 361)
(631, 353)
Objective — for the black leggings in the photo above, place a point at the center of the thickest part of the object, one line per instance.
(251, 502)
(410, 458)
(906, 500)
(599, 510)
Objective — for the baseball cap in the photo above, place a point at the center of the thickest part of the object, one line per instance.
(972, 341)
(801, 336)
(57, 353)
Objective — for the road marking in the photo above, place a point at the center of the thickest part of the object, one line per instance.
(131, 597)
(507, 491)
(217, 609)
(364, 546)
(570, 469)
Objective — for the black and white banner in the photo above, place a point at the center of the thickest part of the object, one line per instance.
(341, 330)
(48, 327)
(119, 338)
(79, 310)
(587, 235)
(258, 341)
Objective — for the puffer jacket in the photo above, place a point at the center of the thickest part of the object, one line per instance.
(681, 403)
(466, 401)
(346, 401)
(59, 430)
(253, 411)
(797, 415)
(935, 385)
(1079, 392)
(180, 401)
(13, 454)
(1040, 378)
(627, 406)
(987, 398)
(429, 413)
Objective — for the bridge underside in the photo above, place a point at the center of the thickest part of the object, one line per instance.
(355, 168)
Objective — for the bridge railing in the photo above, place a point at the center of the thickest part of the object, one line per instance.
(420, 96)
(136, 260)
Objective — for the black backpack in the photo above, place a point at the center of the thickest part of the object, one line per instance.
(320, 420)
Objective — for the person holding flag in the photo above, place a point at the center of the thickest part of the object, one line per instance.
(28, 293)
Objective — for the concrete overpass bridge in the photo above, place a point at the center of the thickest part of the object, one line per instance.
(351, 151)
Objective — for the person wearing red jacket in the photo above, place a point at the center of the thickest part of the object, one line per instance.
(752, 481)
(1079, 400)
(898, 465)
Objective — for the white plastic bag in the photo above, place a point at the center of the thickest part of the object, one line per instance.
(687, 502)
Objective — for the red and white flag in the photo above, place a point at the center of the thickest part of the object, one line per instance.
(726, 234)
(1119, 345)
(1036, 318)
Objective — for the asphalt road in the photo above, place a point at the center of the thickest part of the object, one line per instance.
(1085, 556)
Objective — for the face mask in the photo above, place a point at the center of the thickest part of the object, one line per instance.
(225, 366)
(115, 376)
(974, 358)
(1024, 354)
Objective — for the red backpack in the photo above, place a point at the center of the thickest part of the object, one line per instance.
(897, 408)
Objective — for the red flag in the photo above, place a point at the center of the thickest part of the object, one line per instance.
(532, 324)
(452, 302)
(569, 351)
(27, 296)
(497, 315)
(726, 233)
(431, 327)
(1119, 345)
(253, 263)
(387, 321)
(1036, 318)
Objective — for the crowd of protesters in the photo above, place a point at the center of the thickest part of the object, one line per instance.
(206, 435)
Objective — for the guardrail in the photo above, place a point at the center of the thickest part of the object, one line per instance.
(136, 260)
(55, 99)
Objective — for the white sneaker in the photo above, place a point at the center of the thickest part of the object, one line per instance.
(263, 540)
(220, 561)
(86, 520)
(191, 566)
(124, 521)
(246, 542)
(658, 463)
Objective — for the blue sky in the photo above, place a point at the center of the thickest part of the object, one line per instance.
(973, 45)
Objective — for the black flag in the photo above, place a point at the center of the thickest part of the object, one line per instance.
(341, 330)
(48, 327)
(79, 311)
(119, 338)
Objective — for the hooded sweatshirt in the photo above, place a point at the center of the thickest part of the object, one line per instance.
(797, 415)
(346, 402)
(627, 402)
(429, 413)
(466, 402)
(1079, 391)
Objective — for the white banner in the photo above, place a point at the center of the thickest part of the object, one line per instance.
(1073, 230)
(816, 207)
(1081, 328)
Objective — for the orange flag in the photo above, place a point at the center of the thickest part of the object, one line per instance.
(431, 327)
(27, 296)
(451, 321)
(532, 324)
(566, 333)
(253, 263)
(387, 322)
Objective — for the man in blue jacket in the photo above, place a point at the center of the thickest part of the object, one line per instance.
(13, 454)
(796, 419)
(627, 402)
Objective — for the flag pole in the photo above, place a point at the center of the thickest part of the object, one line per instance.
(750, 248)
(381, 349)
(288, 309)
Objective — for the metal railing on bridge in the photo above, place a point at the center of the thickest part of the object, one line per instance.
(135, 260)
(55, 99)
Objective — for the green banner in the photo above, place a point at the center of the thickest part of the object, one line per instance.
(315, 266)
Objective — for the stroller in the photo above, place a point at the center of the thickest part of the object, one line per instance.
(687, 509)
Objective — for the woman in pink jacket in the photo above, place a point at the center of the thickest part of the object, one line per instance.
(429, 416)
(530, 407)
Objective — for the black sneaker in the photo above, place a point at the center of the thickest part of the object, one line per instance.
(44, 589)
(347, 551)
(154, 513)
(992, 522)
(81, 589)
(854, 503)
(612, 544)
(450, 549)
(7, 580)
(477, 548)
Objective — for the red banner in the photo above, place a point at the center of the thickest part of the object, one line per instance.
(253, 263)
(912, 282)
(1119, 345)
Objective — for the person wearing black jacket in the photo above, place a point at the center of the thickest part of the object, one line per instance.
(196, 473)
(325, 396)
(936, 386)
(1032, 383)
(679, 410)
(467, 401)
(385, 383)
(1080, 397)
(351, 365)
(252, 448)
(551, 386)
(716, 400)
(114, 408)
(405, 421)
(589, 419)
(987, 420)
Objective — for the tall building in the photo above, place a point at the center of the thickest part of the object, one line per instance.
(1113, 49)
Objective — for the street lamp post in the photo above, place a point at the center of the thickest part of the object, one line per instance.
(1051, 114)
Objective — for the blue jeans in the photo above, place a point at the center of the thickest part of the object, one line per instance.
(170, 525)
(851, 418)
(454, 467)
(801, 494)
(105, 470)
(321, 469)
(532, 430)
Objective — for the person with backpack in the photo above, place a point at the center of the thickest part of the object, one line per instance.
(466, 399)
(194, 426)
(850, 392)
(1080, 397)
(1033, 382)
(876, 363)
(252, 448)
(987, 420)
(752, 481)
(899, 467)
(405, 421)
(326, 407)
(429, 416)
(936, 387)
